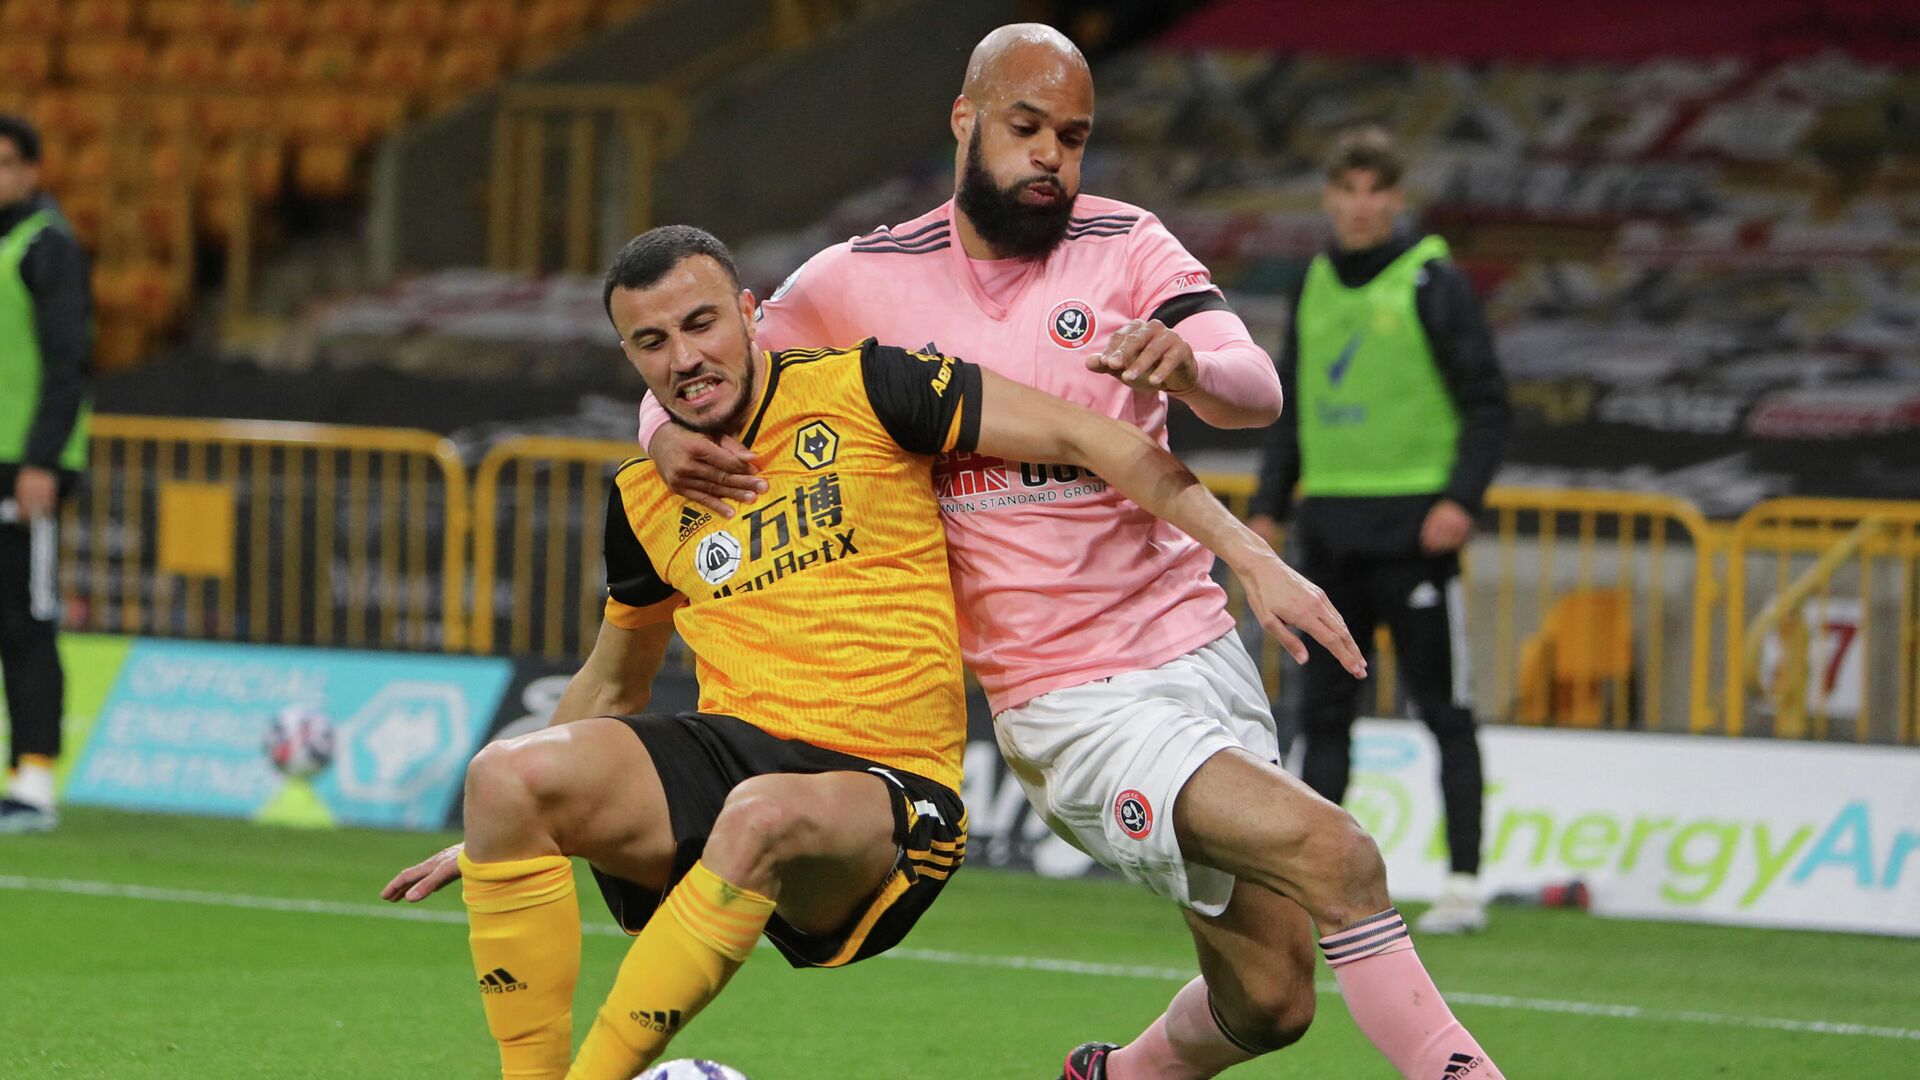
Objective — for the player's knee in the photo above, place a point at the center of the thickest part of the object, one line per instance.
(1350, 879)
(761, 822)
(512, 778)
(1273, 1014)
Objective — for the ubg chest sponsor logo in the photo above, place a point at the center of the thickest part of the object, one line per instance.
(796, 531)
(965, 482)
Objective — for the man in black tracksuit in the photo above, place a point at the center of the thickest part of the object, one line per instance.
(1396, 415)
(46, 347)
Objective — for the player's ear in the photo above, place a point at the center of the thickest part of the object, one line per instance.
(962, 119)
(747, 306)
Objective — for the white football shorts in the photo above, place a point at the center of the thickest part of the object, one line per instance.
(1103, 761)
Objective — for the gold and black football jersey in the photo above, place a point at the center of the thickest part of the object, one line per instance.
(822, 611)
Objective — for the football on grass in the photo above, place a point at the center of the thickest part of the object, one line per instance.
(692, 1069)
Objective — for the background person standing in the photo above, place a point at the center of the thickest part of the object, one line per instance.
(1395, 420)
(46, 347)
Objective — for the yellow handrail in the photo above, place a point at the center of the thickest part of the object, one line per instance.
(1782, 612)
(1834, 531)
(208, 464)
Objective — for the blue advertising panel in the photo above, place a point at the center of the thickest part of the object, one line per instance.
(353, 738)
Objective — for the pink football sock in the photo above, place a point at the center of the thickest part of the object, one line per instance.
(1186, 1043)
(1396, 1006)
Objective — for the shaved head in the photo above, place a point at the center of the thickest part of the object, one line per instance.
(1020, 128)
(1020, 57)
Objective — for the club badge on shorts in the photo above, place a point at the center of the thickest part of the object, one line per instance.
(1070, 324)
(1134, 813)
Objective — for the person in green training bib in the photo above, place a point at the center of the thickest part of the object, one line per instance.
(46, 348)
(1396, 417)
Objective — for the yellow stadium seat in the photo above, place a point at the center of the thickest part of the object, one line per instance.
(498, 20)
(86, 210)
(283, 19)
(345, 18)
(324, 170)
(329, 61)
(222, 169)
(259, 63)
(99, 18)
(466, 66)
(191, 61)
(89, 163)
(224, 117)
(36, 17)
(56, 159)
(24, 61)
(399, 65)
(199, 19)
(105, 60)
(76, 113)
(414, 20)
(1582, 655)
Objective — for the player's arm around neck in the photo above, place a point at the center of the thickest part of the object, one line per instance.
(617, 679)
(1023, 424)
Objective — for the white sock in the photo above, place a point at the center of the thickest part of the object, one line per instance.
(32, 784)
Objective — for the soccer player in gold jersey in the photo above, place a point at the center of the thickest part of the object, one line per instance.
(812, 796)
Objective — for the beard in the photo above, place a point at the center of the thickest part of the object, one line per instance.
(1015, 230)
(734, 418)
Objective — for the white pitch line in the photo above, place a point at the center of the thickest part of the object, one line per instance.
(1051, 965)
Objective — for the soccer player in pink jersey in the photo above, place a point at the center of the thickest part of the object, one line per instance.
(1122, 696)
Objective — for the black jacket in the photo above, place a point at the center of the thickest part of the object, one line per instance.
(56, 272)
(1456, 327)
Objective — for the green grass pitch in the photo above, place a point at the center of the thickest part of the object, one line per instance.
(152, 947)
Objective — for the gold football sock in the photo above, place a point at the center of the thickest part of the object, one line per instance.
(525, 932)
(700, 936)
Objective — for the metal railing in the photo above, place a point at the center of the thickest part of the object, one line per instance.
(540, 504)
(271, 532)
(1594, 608)
(1612, 576)
(633, 128)
(1854, 562)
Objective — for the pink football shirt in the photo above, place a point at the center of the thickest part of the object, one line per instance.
(1059, 579)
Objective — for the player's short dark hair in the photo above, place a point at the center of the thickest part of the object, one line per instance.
(1368, 148)
(25, 138)
(647, 258)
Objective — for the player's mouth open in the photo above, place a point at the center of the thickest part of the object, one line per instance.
(698, 391)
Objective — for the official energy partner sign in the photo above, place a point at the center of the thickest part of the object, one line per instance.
(1746, 831)
(184, 729)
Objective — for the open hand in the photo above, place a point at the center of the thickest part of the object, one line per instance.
(704, 470)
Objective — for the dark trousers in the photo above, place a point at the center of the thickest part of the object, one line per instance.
(1418, 598)
(29, 619)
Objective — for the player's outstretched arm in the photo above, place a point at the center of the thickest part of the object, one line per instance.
(1021, 423)
(616, 680)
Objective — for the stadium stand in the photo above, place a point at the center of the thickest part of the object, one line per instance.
(215, 109)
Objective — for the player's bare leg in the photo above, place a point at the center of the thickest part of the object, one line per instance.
(1254, 994)
(819, 846)
(1252, 819)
